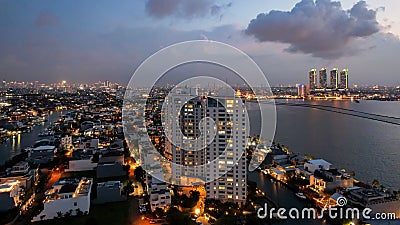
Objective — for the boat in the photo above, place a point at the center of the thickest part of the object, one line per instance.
(301, 195)
(46, 133)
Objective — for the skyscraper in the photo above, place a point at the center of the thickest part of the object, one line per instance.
(322, 78)
(229, 123)
(182, 129)
(301, 90)
(344, 79)
(231, 134)
(313, 79)
(334, 78)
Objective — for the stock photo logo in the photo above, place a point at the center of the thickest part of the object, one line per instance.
(204, 132)
(340, 211)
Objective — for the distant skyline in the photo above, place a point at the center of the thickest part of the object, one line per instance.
(87, 41)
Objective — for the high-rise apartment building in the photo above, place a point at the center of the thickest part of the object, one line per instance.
(312, 79)
(334, 78)
(322, 78)
(199, 141)
(184, 110)
(230, 137)
(344, 79)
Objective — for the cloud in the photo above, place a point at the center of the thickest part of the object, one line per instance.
(186, 9)
(46, 19)
(322, 28)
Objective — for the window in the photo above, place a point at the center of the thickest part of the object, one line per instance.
(75, 203)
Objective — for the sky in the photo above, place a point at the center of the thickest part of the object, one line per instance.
(86, 41)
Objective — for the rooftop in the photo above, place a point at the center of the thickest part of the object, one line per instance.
(319, 162)
(44, 148)
(8, 185)
(78, 188)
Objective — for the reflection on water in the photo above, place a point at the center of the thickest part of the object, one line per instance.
(20, 141)
(367, 147)
(283, 197)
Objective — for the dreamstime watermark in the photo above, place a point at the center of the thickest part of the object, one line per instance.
(340, 212)
(236, 126)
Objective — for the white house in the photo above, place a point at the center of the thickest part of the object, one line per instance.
(317, 164)
(9, 194)
(160, 195)
(67, 196)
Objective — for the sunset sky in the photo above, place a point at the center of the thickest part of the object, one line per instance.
(91, 40)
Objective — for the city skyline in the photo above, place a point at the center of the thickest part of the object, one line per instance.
(54, 42)
(199, 112)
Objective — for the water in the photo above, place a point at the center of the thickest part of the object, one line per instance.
(285, 198)
(14, 145)
(369, 148)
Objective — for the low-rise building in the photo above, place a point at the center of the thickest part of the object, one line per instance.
(9, 194)
(82, 160)
(110, 191)
(20, 168)
(108, 170)
(160, 195)
(42, 154)
(377, 199)
(329, 180)
(317, 164)
(68, 196)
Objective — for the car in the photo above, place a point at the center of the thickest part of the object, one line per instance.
(152, 222)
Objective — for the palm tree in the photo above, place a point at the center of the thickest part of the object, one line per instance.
(59, 214)
(375, 183)
(128, 188)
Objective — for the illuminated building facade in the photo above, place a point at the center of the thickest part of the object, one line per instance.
(313, 79)
(323, 78)
(344, 79)
(334, 78)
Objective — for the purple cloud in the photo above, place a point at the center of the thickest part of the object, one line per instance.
(184, 8)
(322, 28)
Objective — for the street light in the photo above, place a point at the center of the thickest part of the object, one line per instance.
(197, 211)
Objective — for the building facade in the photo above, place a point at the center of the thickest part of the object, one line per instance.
(344, 79)
(223, 140)
(334, 78)
(323, 78)
(231, 126)
(67, 197)
(312, 79)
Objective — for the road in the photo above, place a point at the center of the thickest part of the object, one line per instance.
(135, 218)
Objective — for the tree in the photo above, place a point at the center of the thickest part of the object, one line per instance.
(139, 173)
(128, 188)
(59, 214)
(91, 221)
(68, 214)
(78, 212)
(375, 183)
(176, 217)
(225, 220)
(159, 212)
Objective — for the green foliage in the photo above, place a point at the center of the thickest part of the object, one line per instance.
(175, 217)
(185, 201)
(139, 173)
(226, 220)
(128, 188)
